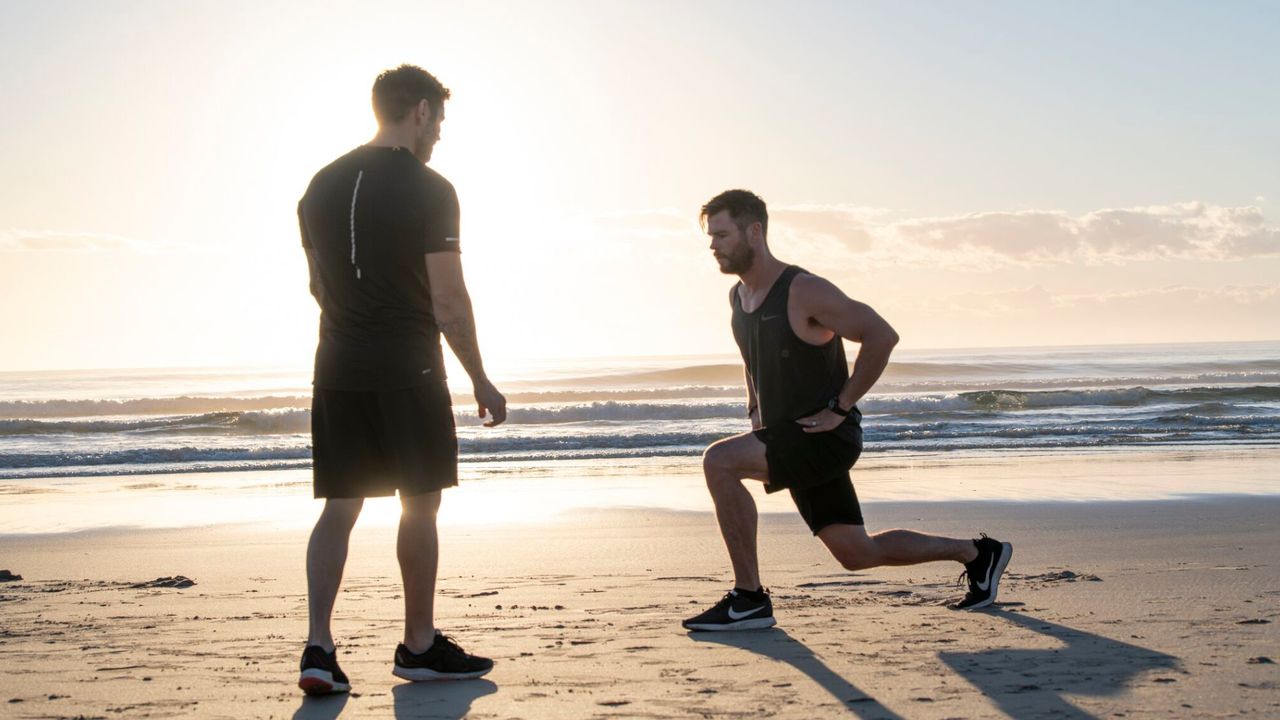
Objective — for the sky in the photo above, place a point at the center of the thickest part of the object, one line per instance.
(983, 174)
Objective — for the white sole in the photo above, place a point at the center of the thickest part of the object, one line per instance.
(315, 681)
(426, 675)
(751, 624)
(1006, 552)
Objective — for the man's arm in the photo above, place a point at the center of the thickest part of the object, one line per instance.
(830, 308)
(317, 286)
(753, 405)
(452, 307)
(313, 267)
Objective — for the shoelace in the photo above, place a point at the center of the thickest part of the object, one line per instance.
(964, 580)
(449, 642)
(729, 596)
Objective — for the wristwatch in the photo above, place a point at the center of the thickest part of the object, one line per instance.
(834, 406)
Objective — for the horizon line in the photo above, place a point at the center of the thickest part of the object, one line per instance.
(664, 356)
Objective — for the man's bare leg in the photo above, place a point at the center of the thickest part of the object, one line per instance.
(418, 549)
(725, 464)
(326, 558)
(729, 461)
(856, 550)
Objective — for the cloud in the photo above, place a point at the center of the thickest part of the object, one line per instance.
(23, 240)
(986, 240)
(1177, 296)
(872, 237)
(20, 240)
(982, 304)
(825, 230)
(1240, 293)
(1036, 316)
(1034, 300)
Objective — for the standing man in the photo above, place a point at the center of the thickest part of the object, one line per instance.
(806, 434)
(380, 231)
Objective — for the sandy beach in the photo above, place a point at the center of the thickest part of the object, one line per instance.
(1110, 609)
(1016, 263)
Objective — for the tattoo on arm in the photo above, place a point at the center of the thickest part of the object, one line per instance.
(461, 334)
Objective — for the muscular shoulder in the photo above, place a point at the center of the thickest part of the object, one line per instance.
(809, 290)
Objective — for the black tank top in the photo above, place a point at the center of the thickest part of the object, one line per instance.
(792, 377)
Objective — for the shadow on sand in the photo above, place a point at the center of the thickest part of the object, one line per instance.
(1023, 683)
(1031, 683)
(321, 707)
(776, 644)
(439, 699)
(436, 700)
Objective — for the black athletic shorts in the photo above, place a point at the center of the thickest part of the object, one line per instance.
(814, 467)
(373, 443)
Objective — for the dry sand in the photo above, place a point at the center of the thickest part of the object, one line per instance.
(1133, 609)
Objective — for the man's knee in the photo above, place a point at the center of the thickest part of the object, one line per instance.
(717, 468)
(851, 547)
(422, 506)
(342, 511)
(852, 559)
(718, 459)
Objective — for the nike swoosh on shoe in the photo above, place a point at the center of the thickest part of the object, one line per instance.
(739, 615)
(986, 584)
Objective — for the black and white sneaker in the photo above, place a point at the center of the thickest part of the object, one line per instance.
(320, 672)
(444, 660)
(736, 611)
(984, 573)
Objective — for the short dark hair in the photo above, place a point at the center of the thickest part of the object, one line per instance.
(398, 91)
(744, 206)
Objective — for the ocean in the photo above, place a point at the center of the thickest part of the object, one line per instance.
(96, 423)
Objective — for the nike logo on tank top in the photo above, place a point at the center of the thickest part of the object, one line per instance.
(792, 377)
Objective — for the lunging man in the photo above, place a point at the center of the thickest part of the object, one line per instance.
(806, 428)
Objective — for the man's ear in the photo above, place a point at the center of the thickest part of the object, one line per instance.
(424, 112)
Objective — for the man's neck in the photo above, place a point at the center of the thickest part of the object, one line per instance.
(393, 137)
(762, 273)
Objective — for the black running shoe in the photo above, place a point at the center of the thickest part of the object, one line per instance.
(984, 573)
(444, 660)
(320, 672)
(735, 612)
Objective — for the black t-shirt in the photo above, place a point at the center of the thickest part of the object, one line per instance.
(369, 217)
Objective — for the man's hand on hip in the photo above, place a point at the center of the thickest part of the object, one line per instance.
(821, 421)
